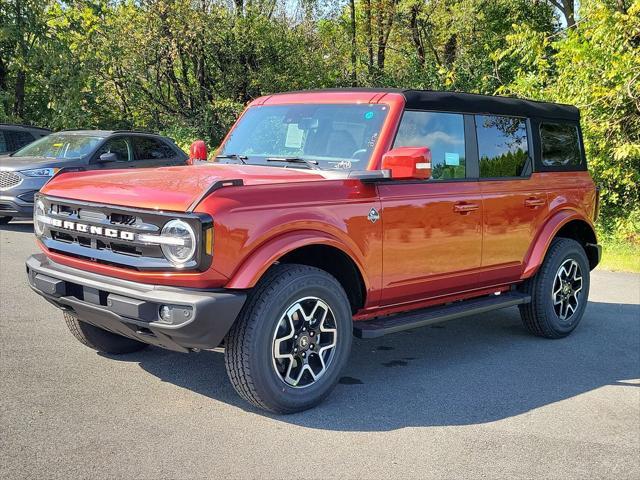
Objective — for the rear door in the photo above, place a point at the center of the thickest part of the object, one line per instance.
(515, 203)
(432, 229)
(154, 152)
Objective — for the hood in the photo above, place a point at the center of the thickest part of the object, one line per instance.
(25, 163)
(170, 188)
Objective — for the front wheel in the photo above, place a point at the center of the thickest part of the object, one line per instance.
(559, 291)
(291, 341)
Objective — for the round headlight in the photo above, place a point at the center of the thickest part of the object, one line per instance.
(179, 242)
(38, 215)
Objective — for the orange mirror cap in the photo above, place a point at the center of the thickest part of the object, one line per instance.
(408, 162)
(198, 151)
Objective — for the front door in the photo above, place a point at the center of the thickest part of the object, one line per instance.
(432, 240)
(120, 147)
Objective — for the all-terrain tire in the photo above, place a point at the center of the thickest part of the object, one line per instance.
(99, 339)
(541, 316)
(249, 346)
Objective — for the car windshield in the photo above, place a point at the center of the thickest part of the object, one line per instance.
(60, 145)
(339, 137)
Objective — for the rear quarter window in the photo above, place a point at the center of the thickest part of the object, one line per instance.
(3, 143)
(561, 147)
(14, 140)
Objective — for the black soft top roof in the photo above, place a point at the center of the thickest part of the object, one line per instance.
(473, 103)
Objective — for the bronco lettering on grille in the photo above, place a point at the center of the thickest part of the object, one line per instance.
(92, 229)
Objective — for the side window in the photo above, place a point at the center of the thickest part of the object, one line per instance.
(443, 133)
(3, 144)
(117, 146)
(502, 145)
(560, 145)
(16, 140)
(151, 149)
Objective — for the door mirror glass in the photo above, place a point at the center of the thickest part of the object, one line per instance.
(408, 162)
(108, 157)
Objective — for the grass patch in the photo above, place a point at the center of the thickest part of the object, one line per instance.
(620, 256)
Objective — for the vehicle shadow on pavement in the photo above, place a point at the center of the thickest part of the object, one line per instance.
(21, 227)
(470, 371)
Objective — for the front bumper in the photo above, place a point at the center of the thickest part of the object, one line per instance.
(15, 207)
(17, 201)
(199, 319)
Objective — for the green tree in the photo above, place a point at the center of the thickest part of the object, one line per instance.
(596, 66)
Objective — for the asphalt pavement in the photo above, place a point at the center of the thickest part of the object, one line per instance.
(471, 398)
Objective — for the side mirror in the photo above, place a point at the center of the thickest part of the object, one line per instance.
(408, 162)
(108, 157)
(197, 152)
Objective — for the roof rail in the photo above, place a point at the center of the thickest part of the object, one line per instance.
(25, 125)
(148, 132)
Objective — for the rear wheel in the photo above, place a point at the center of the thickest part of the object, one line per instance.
(292, 339)
(5, 220)
(99, 339)
(559, 291)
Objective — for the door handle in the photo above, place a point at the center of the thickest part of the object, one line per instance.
(465, 208)
(534, 202)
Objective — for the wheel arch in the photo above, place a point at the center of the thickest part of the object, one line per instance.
(315, 249)
(564, 224)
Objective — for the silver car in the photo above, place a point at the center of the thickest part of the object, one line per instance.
(24, 172)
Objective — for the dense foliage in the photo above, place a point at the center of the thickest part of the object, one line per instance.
(187, 67)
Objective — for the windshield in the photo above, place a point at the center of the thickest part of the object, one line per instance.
(60, 145)
(338, 137)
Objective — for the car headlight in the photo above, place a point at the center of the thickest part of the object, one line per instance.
(178, 242)
(39, 214)
(40, 172)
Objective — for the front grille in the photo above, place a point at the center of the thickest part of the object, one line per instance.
(9, 180)
(108, 234)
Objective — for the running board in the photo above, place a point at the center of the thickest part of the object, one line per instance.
(427, 316)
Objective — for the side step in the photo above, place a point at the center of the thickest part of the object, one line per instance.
(427, 316)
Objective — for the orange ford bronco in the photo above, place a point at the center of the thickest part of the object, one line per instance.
(328, 214)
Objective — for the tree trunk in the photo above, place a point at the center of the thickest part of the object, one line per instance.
(380, 29)
(569, 12)
(367, 35)
(239, 7)
(415, 34)
(18, 105)
(354, 59)
(384, 23)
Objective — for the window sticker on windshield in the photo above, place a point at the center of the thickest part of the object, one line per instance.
(372, 141)
(294, 136)
(57, 145)
(369, 115)
(342, 165)
(452, 159)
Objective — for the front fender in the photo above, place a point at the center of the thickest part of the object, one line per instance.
(545, 235)
(259, 261)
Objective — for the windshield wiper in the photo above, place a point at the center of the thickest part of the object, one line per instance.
(235, 156)
(312, 164)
